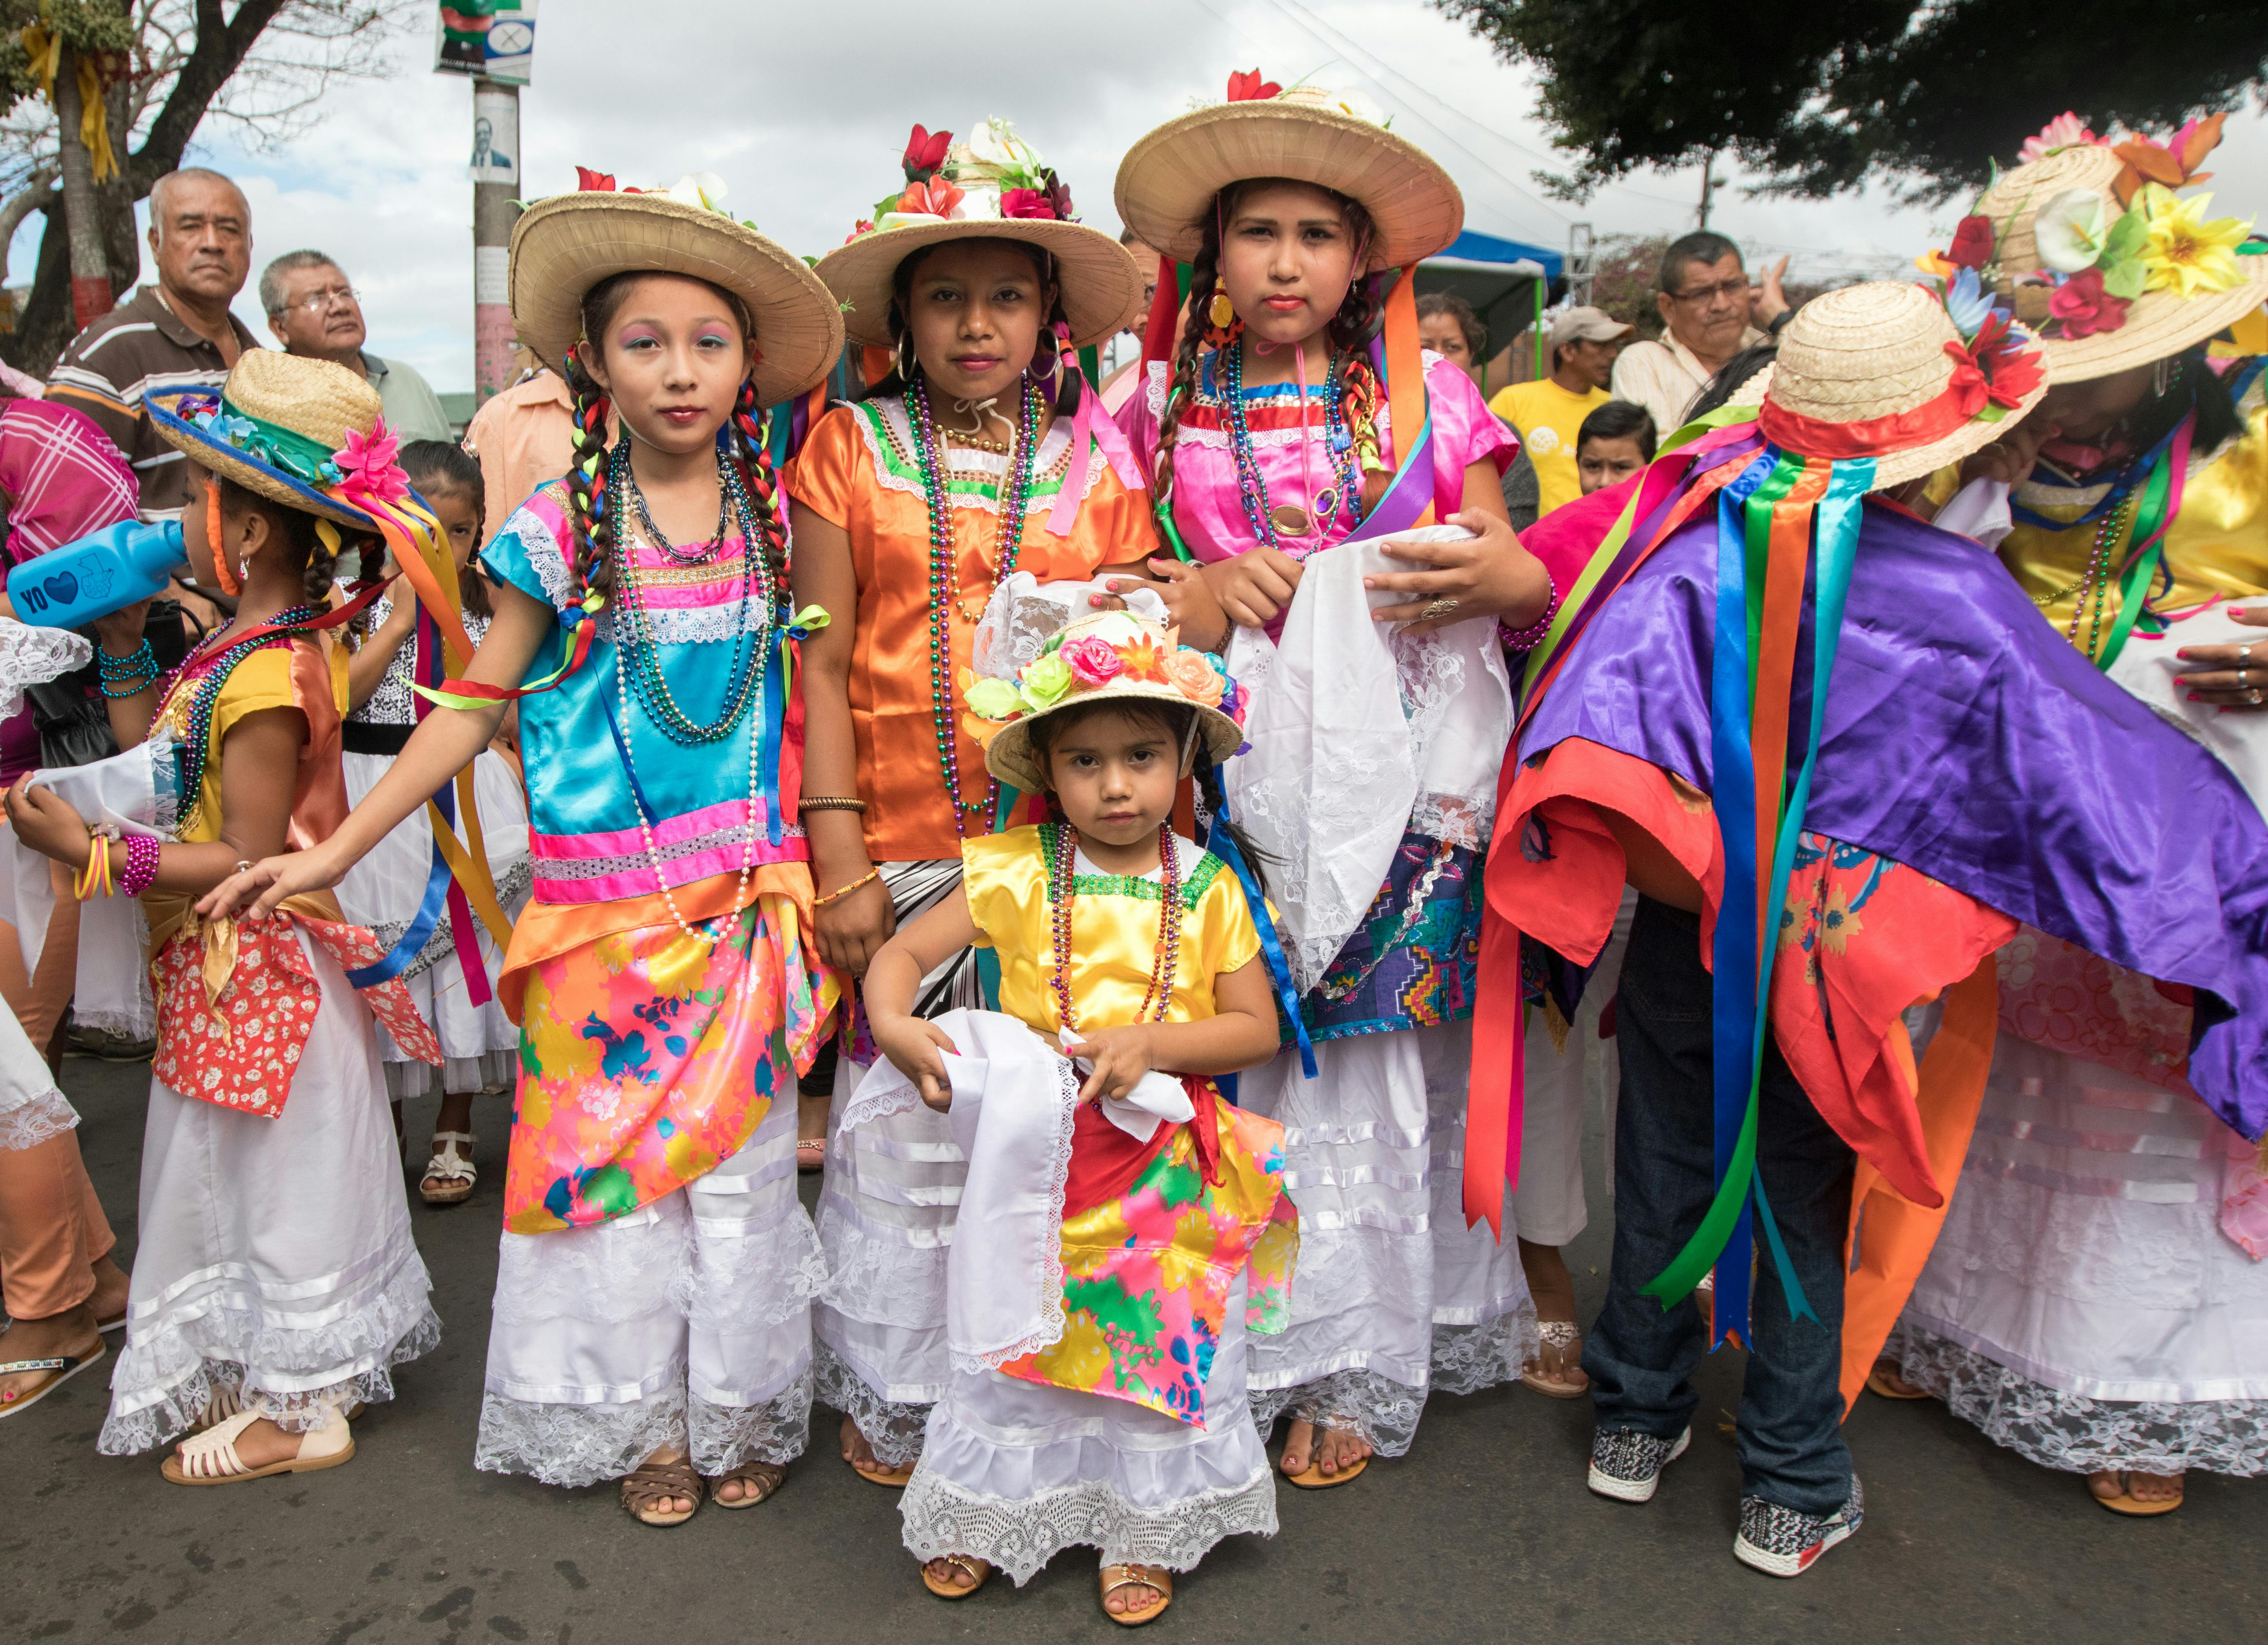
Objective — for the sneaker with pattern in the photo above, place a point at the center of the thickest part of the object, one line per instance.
(1786, 1542)
(1626, 1464)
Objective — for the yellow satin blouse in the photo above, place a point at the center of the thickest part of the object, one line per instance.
(2218, 544)
(1113, 931)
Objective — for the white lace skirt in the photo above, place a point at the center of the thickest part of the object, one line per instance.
(687, 1322)
(273, 1255)
(2082, 1305)
(31, 1109)
(1013, 1473)
(1393, 1293)
(479, 1043)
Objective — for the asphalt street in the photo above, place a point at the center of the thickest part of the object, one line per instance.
(1484, 1531)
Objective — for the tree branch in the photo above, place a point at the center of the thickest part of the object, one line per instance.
(38, 194)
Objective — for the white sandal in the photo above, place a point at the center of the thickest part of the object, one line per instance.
(210, 1457)
(449, 1174)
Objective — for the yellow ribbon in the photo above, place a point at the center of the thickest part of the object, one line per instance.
(46, 51)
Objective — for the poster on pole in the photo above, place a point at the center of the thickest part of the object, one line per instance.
(492, 39)
(496, 134)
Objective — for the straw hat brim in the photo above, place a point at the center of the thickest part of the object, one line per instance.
(1900, 467)
(1101, 283)
(2158, 324)
(1167, 182)
(226, 461)
(563, 246)
(1010, 759)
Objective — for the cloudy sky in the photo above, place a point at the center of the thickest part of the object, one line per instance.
(804, 107)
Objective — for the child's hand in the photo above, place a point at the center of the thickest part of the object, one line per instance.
(912, 1044)
(49, 823)
(1121, 1057)
(121, 633)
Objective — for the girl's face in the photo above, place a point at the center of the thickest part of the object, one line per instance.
(1287, 258)
(1114, 775)
(975, 308)
(1605, 462)
(2085, 412)
(1446, 338)
(196, 528)
(672, 359)
(460, 514)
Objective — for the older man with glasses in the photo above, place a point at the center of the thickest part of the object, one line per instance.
(1711, 313)
(313, 312)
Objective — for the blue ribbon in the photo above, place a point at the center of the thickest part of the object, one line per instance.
(772, 704)
(1279, 970)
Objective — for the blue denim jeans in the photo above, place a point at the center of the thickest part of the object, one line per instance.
(1641, 1356)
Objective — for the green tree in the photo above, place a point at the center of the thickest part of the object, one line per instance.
(1819, 98)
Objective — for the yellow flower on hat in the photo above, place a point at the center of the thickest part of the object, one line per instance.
(2184, 253)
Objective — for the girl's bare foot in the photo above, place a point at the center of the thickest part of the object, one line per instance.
(262, 1443)
(955, 1575)
(1334, 1453)
(112, 1286)
(69, 1334)
(2142, 1488)
(1132, 1590)
(810, 1131)
(1557, 1369)
(860, 1455)
(1887, 1380)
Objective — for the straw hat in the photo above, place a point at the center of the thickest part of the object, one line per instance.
(563, 246)
(981, 181)
(1113, 656)
(1883, 370)
(2069, 185)
(278, 427)
(1168, 180)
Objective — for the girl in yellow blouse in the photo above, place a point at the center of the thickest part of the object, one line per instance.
(1137, 952)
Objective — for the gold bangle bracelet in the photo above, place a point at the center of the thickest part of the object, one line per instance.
(831, 802)
(842, 891)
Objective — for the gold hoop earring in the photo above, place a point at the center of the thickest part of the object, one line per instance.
(907, 361)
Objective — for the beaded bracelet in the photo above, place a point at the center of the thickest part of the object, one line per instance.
(831, 802)
(842, 891)
(142, 853)
(1530, 638)
(128, 675)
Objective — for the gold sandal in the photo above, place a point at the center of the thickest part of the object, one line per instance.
(1115, 1577)
(653, 1482)
(763, 1478)
(978, 1572)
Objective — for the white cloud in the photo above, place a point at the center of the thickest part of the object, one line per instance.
(803, 109)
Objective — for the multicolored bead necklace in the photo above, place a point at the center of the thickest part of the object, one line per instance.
(1340, 502)
(634, 622)
(2095, 584)
(1062, 883)
(943, 578)
(699, 553)
(194, 731)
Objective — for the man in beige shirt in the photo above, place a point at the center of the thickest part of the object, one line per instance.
(1710, 314)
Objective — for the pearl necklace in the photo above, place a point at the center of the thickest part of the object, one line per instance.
(1061, 889)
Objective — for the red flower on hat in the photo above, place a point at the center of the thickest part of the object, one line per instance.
(936, 197)
(1994, 368)
(1251, 88)
(1026, 202)
(925, 152)
(1972, 243)
(591, 182)
(2084, 307)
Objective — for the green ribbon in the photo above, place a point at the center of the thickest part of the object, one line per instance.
(308, 461)
(2134, 581)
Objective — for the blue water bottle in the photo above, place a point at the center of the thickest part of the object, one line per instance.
(96, 575)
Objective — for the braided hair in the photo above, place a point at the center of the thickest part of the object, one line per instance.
(1348, 331)
(894, 382)
(741, 439)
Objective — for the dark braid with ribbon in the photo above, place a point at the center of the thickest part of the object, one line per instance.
(587, 482)
(747, 444)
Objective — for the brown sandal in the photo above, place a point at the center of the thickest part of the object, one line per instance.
(652, 1482)
(977, 1570)
(1117, 1576)
(764, 1479)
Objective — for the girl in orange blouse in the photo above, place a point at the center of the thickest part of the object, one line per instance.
(983, 453)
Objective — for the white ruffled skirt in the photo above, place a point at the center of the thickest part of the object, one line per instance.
(1394, 1294)
(274, 1256)
(687, 1322)
(479, 1044)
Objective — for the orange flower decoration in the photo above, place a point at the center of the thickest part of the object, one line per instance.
(934, 198)
(1146, 660)
(1190, 674)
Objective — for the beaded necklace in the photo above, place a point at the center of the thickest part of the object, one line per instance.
(194, 731)
(1252, 485)
(634, 622)
(699, 553)
(2095, 584)
(1062, 886)
(943, 578)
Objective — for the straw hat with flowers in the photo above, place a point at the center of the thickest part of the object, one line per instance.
(2093, 242)
(991, 186)
(1334, 140)
(563, 246)
(1111, 657)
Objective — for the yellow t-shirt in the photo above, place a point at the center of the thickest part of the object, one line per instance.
(1547, 418)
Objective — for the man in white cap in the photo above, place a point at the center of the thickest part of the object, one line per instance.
(1547, 413)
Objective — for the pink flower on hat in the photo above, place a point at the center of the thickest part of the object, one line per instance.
(370, 464)
(1093, 661)
(2084, 307)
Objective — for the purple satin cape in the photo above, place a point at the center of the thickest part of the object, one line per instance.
(1966, 737)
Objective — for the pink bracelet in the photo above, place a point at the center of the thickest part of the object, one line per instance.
(1530, 638)
(141, 854)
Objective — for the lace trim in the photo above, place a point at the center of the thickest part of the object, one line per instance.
(1383, 1412)
(34, 656)
(1020, 1535)
(893, 1431)
(731, 837)
(875, 1101)
(880, 1281)
(1198, 880)
(2078, 1435)
(1468, 1358)
(974, 478)
(729, 1282)
(229, 1342)
(1046, 1265)
(576, 1445)
(695, 625)
(725, 1436)
(42, 1118)
(542, 551)
(517, 882)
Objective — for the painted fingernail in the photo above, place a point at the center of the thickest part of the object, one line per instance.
(2184, 655)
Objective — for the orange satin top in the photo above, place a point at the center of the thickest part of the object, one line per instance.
(858, 470)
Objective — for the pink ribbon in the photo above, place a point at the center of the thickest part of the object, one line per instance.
(1088, 431)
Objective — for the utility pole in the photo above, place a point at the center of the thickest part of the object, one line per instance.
(496, 208)
(90, 262)
(1582, 263)
(1708, 183)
